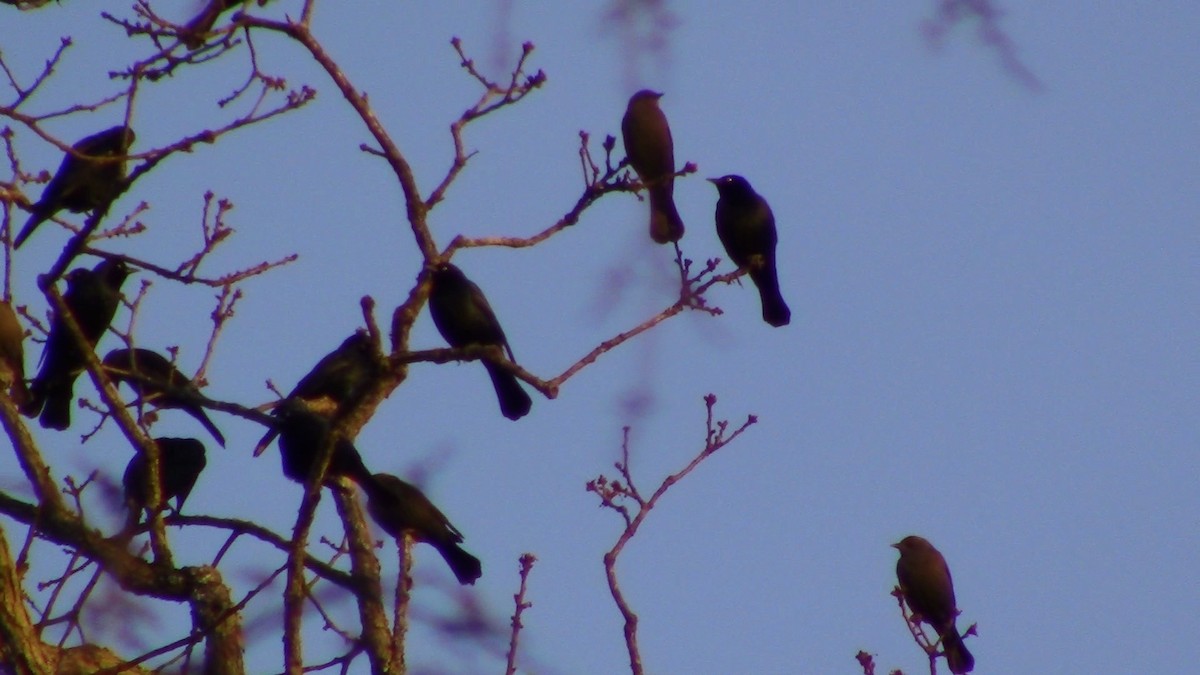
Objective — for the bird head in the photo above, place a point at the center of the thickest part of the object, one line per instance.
(113, 271)
(732, 185)
(447, 271)
(911, 543)
(107, 143)
(646, 94)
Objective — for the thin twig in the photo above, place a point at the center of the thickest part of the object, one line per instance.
(613, 494)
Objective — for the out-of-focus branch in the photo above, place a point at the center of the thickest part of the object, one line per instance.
(950, 13)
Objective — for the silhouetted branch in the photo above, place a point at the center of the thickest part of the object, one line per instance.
(495, 96)
(527, 561)
(614, 493)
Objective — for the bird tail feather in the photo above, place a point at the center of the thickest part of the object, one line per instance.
(958, 659)
(36, 219)
(204, 420)
(665, 224)
(465, 566)
(774, 310)
(514, 400)
(56, 412)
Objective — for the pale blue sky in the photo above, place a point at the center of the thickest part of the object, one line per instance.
(995, 300)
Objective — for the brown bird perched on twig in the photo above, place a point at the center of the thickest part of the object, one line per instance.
(83, 183)
(92, 296)
(152, 377)
(651, 153)
(464, 318)
(12, 355)
(929, 591)
(399, 507)
(746, 227)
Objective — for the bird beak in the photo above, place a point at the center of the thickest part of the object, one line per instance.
(712, 180)
(895, 546)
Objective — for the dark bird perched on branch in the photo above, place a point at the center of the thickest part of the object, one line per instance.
(92, 297)
(746, 227)
(464, 318)
(651, 153)
(399, 507)
(12, 356)
(83, 183)
(152, 377)
(180, 461)
(339, 381)
(304, 435)
(929, 591)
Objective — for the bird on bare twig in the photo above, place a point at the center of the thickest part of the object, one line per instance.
(92, 297)
(464, 318)
(746, 227)
(83, 183)
(400, 507)
(152, 377)
(929, 591)
(651, 153)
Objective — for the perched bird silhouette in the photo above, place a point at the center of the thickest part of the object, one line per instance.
(83, 183)
(12, 356)
(152, 377)
(399, 507)
(339, 381)
(651, 153)
(92, 296)
(929, 591)
(180, 461)
(746, 227)
(464, 318)
(304, 435)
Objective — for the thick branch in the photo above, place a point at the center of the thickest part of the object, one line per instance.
(376, 635)
(201, 587)
(20, 647)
